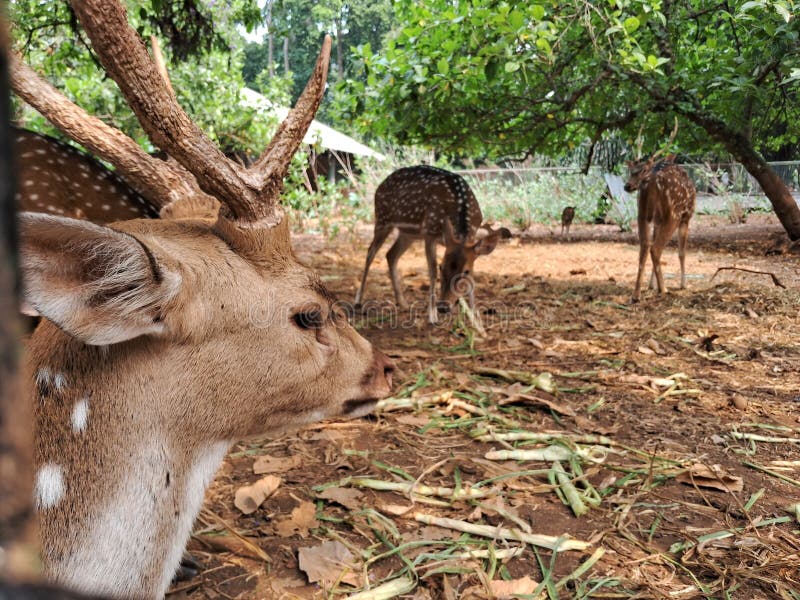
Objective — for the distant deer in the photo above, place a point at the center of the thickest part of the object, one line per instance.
(566, 218)
(429, 203)
(165, 340)
(666, 200)
(56, 178)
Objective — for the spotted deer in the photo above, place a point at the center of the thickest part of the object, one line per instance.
(566, 218)
(56, 178)
(424, 202)
(165, 340)
(666, 201)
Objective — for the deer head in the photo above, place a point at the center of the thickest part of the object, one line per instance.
(459, 257)
(166, 340)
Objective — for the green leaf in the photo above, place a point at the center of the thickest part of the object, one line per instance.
(516, 19)
(543, 45)
(443, 66)
(511, 66)
(631, 24)
(537, 12)
(491, 68)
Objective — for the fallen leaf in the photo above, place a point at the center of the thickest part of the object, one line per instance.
(276, 464)
(299, 522)
(413, 420)
(655, 347)
(347, 497)
(249, 497)
(396, 509)
(329, 562)
(587, 424)
(645, 350)
(713, 477)
(508, 589)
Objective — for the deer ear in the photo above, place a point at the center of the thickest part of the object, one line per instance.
(99, 285)
(486, 245)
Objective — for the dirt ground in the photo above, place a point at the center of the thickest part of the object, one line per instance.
(666, 435)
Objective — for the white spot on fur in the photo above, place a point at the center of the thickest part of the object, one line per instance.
(59, 382)
(49, 487)
(80, 415)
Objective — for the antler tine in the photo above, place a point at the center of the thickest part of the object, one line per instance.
(125, 58)
(159, 182)
(669, 141)
(273, 164)
(639, 143)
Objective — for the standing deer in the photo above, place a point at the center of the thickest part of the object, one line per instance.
(165, 340)
(666, 200)
(429, 203)
(566, 218)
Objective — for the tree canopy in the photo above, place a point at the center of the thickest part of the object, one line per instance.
(294, 30)
(535, 77)
(541, 77)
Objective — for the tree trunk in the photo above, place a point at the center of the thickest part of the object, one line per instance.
(286, 54)
(270, 41)
(339, 55)
(743, 151)
(17, 531)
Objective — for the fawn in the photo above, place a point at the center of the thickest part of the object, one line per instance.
(666, 200)
(566, 218)
(165, 340)
(424, 202)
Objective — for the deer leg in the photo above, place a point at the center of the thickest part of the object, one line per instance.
(644, 250)
(683, 236)
(395, 252)
(661, 236)
(377, 241)
(430, 255)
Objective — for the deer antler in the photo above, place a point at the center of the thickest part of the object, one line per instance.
(161, 183)
(669, 141)
(201, 173)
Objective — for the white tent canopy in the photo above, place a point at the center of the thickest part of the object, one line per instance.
(329, 138)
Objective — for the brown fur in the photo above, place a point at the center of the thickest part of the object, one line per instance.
(55, 178)
(666, 200)
(227, 362)
(429, 203)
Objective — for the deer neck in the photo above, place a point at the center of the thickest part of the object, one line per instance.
(119, 482)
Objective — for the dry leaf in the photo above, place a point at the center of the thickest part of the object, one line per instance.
(396, 509)
(413, 420)
(645, 350)
(588, 425)
(299, 522)
(276, 464)
(347, 497)
(713, 477)
(326, 563)
(249, 497)
(508, 589)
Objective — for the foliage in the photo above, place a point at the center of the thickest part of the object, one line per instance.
(544, 76)
(207, 82)
(190, 27)
(303, 23)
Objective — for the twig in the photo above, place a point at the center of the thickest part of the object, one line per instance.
(775, 279)
(501, 533)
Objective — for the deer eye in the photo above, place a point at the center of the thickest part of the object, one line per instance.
(308, 319)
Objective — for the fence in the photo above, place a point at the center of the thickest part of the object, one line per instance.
(527, 195)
